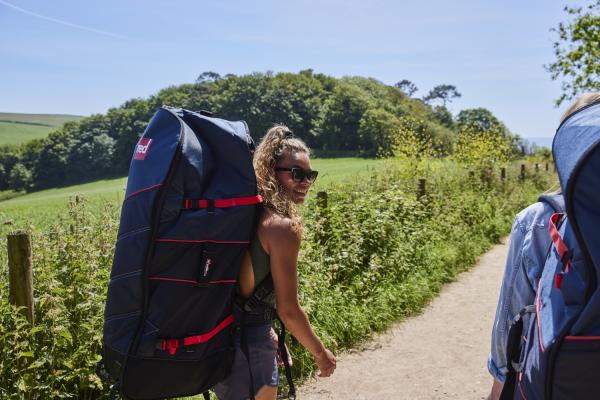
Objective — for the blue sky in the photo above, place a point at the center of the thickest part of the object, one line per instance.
(83, 57)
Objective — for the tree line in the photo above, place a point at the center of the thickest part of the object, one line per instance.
(346, 116)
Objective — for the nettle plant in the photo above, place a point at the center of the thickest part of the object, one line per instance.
(56, 358)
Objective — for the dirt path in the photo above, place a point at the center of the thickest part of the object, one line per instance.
(440, 354)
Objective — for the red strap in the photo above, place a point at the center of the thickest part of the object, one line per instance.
(222, 203)
(558, 278)
(205, 337)
(557, 241)
(172, 344)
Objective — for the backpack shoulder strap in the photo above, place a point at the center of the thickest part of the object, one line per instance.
(556, 201)
(261, 292)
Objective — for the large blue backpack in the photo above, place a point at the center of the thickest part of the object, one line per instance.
(188, 216)
(556, 355)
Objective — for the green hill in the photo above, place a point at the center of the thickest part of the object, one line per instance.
(18, 128)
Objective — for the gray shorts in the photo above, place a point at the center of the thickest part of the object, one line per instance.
(263, 363)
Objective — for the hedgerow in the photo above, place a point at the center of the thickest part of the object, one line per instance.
(373, 255)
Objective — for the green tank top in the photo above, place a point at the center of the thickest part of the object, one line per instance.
(261, 266)
(261, 262)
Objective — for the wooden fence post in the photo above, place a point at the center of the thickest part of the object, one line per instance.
(486, 175)
(503, 174)
(546, 167)
(322, 200)
(322, 235)
(20, 275)
(421, 190)
(522, 175)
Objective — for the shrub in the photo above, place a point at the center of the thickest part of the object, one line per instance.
(374, 255)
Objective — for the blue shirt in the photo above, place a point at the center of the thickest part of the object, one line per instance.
(528, 247)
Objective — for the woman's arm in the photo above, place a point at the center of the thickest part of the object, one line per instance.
(283, 245)
(497, 358)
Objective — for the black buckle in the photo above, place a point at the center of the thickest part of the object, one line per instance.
(269, 314)
(210, 207)
(251, 304)
(567, 256)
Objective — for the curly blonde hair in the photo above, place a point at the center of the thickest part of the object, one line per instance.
(275, 145)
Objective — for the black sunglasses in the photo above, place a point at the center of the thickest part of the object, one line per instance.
(299, 174)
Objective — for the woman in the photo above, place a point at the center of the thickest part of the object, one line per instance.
(284, 176)
(529, 243)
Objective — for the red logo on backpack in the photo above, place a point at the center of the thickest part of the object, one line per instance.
(141, 148)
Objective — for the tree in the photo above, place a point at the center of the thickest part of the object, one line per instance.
(480, 119)
(419, 138)
(377, 131)
(90, 157)
(443, 93)
(247, 98)
(264, 99)
(9, 157)
(208, 77)
(127, 124)
(20, 178)
(442, 115)
(52, 166)
(3, 178)
(407, 87)
(305, 96)
(577, 52)
(30, 152)
(342, 113)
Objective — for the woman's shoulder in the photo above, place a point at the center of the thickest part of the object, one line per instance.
(274, 227)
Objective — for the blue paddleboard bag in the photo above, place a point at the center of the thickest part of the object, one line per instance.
(188, 217)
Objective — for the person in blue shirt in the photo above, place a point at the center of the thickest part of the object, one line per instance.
(528, 247)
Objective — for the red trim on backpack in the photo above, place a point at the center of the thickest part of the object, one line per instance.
(173, 344)
(224, 281)
(582, 338)
(557, 241)
(222, 203)
(203, 241)
(158, 278)
(558, 278)
(142, 190)
(521, 386)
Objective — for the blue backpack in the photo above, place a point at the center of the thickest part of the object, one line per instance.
(189, 213)
(556, 355)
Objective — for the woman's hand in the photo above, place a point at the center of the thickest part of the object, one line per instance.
(326, 362)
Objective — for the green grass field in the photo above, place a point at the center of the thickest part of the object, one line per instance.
(38, 210)
(19, 128)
